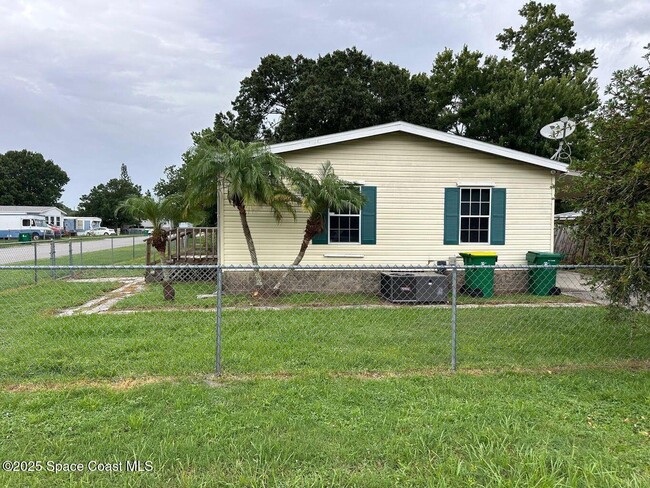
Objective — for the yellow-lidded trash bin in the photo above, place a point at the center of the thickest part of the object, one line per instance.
(479, 281)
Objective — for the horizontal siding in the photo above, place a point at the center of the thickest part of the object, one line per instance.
(410, 174)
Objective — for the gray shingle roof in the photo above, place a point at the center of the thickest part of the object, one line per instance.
(27, 209)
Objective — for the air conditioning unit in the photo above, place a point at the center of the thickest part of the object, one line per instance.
(414, 287)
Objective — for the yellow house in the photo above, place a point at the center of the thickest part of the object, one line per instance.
(430, 195)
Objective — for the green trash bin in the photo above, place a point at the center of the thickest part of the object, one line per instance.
(542, 280)
(477, 278)
(24, 237)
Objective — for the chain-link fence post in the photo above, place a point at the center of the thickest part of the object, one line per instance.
(53, 258)
(112, 251)
(133, 247)
(70, 252)
(218, 331)
(35, 263)
(454, 278)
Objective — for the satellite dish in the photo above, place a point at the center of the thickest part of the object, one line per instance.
(559, 131)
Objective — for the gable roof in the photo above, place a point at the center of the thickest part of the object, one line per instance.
(425, 132)
(27, 209)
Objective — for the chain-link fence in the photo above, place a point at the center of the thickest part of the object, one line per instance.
(108, 251)
(120, 321)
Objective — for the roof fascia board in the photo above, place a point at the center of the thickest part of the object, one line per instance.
(417, 130)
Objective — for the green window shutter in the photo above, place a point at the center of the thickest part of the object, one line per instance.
(369, 215)
(452, 216)
(498, 217)
(322, 237)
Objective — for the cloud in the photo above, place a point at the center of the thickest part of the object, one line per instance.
(95, 84)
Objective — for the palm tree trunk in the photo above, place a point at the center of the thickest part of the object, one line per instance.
(250, 244)
(313, 227)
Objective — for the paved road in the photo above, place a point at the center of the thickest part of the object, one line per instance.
(25, 252)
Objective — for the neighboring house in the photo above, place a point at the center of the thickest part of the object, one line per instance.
(53, 215)
(81, 225)
(430, 195)
(568, 216)
(147, 224)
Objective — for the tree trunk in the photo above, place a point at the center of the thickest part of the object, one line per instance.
(250, 244)
(314, 226)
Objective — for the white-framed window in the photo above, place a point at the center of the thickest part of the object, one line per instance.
(475, 215)
(344, 226)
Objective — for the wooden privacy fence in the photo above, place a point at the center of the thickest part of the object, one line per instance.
(575, 250)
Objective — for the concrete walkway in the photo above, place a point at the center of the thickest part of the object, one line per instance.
(130, 286)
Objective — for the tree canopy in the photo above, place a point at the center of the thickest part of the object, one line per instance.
(27, 178)
(174, 182)
(489, 98)
(615, 187)
(103, 200)
(545, 44)
(506, 101)
(158, 212)
(247, 174)
(288, 98)
(317, 195)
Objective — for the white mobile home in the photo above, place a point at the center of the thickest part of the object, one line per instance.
(81, 224)
(430, 195)
(51, 215)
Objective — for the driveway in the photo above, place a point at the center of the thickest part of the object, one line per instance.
(576, 285)
(10, 254)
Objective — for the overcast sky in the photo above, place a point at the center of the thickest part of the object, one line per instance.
(94, 84)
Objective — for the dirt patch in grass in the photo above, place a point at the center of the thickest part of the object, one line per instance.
(121, 384)
(124, 384)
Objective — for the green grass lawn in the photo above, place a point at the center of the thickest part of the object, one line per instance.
(37, 345)
(586, 428)
(316, 396)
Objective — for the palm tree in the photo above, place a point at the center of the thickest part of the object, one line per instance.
(319, 194)
(157, 212)
(247, 174)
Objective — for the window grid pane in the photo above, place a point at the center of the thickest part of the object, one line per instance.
(344, 228)
(474, 215)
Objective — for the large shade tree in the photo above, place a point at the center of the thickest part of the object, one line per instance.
(288, 98)
(27, 178)
(615, 188)
(247, 174)
(506, 101)
(103, 199)
(545, 44)
(500, 100)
